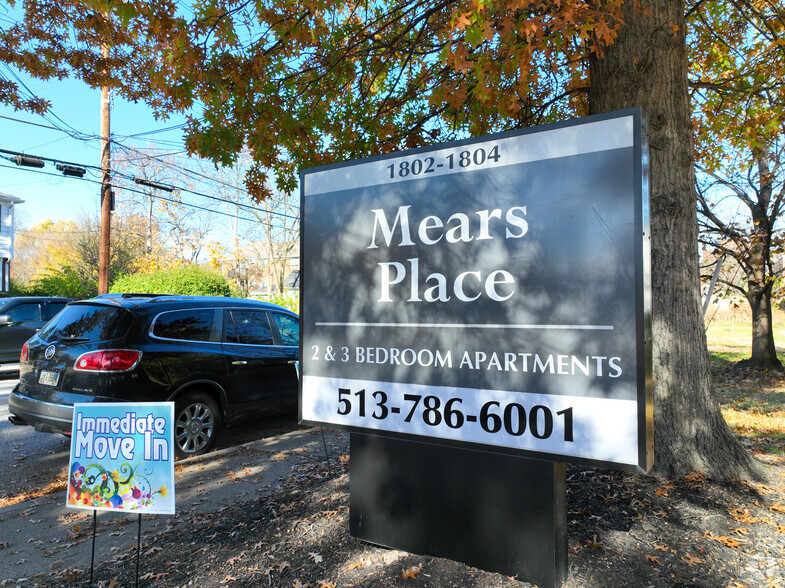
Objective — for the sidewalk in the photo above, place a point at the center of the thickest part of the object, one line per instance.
(41, 537)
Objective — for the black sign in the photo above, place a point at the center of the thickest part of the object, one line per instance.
(492, 291)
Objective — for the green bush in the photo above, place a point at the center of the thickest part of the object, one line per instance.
(188, 280)
(288, 300)
(64, 281)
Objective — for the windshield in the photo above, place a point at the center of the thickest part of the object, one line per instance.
(87, 322)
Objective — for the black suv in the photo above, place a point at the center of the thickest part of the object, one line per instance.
(20, 318)
(218, 359)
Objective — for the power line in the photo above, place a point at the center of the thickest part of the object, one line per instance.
(159, 197)
(29, 122)
(75, 133)
(87, 137)
(157, 157)
(197, 174)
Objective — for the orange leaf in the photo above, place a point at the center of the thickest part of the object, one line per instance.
(664, 491)
(742, 516)
(411, 573)
(593, 543)
(691, 560)
(778, 507)
(727, 541)
(654, 559)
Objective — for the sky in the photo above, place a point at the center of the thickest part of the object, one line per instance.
(75, 112)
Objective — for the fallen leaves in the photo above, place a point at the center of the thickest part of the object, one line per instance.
(153, 577)
(411, 572)
(726, 541)
(593, 543)
(691, 560)
(742, 516)
(695, 480)
(56, 485)
(664, 491)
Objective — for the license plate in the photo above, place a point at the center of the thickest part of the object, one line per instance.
(48, 378)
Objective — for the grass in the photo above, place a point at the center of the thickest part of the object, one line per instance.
(752, 401)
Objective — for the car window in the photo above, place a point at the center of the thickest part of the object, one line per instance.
(188, 325)
(55, 307)
(251, 327)
(88, 322)
(289, 328)
(30, 311)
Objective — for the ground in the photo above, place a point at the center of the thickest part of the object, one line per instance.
(624, 530)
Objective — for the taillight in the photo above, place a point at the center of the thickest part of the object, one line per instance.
(25, 356)
(108, 360)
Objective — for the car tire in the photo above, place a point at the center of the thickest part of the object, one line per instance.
(196, 424)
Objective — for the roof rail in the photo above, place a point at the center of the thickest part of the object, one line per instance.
(131, 295)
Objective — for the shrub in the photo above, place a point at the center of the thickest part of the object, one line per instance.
(188, 280)
(288, 300)
(64, 281)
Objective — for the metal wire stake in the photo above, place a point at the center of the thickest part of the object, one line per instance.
(92, 552)
(138, 548)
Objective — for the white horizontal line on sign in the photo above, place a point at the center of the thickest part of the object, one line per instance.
(471, 326)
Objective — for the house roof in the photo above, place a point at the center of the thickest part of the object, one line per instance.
(9, 198)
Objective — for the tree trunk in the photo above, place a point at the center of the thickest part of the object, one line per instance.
(764, 352)
(647, 67)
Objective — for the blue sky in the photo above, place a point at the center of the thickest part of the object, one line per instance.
(70, 133)
(75, 110)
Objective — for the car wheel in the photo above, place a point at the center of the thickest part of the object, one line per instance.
(197, 420)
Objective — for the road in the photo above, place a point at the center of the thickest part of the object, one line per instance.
(32, 461)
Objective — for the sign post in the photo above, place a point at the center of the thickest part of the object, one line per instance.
(122, 460)
(489, 296)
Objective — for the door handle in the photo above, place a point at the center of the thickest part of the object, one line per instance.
(239, 363)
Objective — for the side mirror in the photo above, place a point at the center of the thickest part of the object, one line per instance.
(5, 320)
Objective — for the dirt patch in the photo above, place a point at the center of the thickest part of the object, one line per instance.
(624, 530)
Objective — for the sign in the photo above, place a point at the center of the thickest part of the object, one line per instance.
(491, 292)
(122, 457)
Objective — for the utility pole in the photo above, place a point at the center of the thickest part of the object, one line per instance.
(106, 190)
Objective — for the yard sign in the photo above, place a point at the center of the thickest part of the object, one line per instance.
(122, 457)
(491, 293)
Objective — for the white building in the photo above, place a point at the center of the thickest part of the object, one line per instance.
(7, 203)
